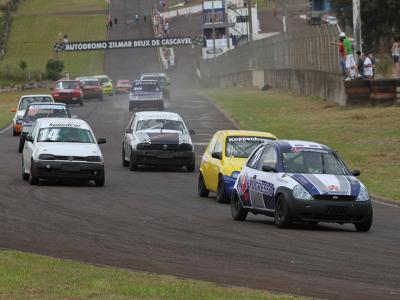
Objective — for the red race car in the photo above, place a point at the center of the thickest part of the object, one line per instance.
(91, 88)
(68, 92)
(123, 86)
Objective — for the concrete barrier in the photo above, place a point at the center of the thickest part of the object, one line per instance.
(372, 92)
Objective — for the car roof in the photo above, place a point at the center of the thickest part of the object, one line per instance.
(63, 122)
(227, 133)
(47, 104)
(37, 95)
(146, 81)
(288, 144)
(69, 80)
(86, 78)
(157, 114)
(154, 74)
(100, 76)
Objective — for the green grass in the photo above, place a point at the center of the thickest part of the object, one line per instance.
(10, 100)
(32, 37)
(28, 276)
(367, 138)
(39, 7)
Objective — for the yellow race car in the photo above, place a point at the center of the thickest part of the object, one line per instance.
(106, 84)
(224, 158)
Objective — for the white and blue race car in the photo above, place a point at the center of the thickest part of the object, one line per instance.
(298, 181)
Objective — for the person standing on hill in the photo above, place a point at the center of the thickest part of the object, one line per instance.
(396, 56)
(350, 62)
(368, 67)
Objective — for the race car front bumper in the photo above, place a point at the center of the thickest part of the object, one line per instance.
(48, 169)
(329, 211)
(140, 105)
(163, 158)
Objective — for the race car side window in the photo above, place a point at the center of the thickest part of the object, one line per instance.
(34, 131)
(218, 146)
(211, 146)
(269, 157)
(253, 160)
(132, 122)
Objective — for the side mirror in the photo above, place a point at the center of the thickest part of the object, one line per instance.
(29, 138)
(356, 173)
(128, 130)
(192, 131)
(217, 155)
(101, 141)
(268, 168)
(13, 109)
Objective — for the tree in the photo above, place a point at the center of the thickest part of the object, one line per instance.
(54, 68)
(23, 65)
(380, 21)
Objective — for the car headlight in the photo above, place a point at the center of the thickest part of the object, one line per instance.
(47, 157)
(363, 196)
(235, 174)
(186, 147)
(94, 159)
(300, 193)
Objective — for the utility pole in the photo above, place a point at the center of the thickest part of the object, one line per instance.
(250, 20)
(357, 25)
(284, 18)
(213, 26)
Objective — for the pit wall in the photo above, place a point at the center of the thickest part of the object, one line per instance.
(305, 61)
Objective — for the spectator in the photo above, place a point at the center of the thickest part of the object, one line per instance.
(110, 23)
(368, 67)
(137, 17)
(350, 63)
(65, 39)
(342, 53)
(396, 56)
(373, 60)
(360, 64)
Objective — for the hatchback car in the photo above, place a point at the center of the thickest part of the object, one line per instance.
(224, 158)
(91, 88)
(23, 103)
(106, 84)
(146, 95)
(68, 92)
(123, 86)
(299, 181)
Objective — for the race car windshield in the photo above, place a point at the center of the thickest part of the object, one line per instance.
(32, 114)
(103, 80)
(242, 146)
(67, 85)
(65, 135)
(90, 83)
(161, 124)
(28, 100)
(145, 87)
(313, 162)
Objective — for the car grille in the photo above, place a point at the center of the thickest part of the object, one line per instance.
(167, 147)
(335, 197)
(72, 158)
(147, 97)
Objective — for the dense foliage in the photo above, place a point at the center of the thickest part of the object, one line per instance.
(54, 68)
(380, 21)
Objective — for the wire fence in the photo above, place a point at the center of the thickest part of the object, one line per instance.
(312, 49)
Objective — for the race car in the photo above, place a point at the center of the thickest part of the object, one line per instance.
(123, 86)
(299, 181)
(223, 159)
(68, 92)
(91, 88)
(157, 138)
(106, 84)
(146, 95)
(162, 79)
(36, 111)
(59, 148)
(24, 101)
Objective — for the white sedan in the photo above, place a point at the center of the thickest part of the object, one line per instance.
(59, 148)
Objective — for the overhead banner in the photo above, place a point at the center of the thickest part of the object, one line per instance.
(123, 44)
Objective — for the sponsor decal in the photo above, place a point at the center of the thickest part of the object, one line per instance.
(247, 139)
(298, 150)
(123, 44)
(333, 188)
(64, 125)
(243, 188)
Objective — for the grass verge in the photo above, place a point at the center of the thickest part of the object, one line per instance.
(24, 276)
(10, 100)
(367, 138)
(35, 45)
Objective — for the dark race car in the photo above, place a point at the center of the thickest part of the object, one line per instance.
(146, 95)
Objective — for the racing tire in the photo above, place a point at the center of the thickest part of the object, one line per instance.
(201, 187)
(21, 144)
(132, 165)
(365, 225)
(221, 197)
(101, 178)
(101, 98)
(125, 163)
(25, 176)
(282, 214)
(80, 102)
(14, 132)
(33, 179)
(190, 168)
(238, 212)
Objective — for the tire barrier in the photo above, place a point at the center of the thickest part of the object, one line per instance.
(372, 92)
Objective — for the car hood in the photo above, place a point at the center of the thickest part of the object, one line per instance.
(69, 149)
(64, 91)
(326, 184)
(233, 164)
(165, 137)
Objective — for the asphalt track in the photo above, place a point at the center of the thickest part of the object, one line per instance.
(153, 220)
